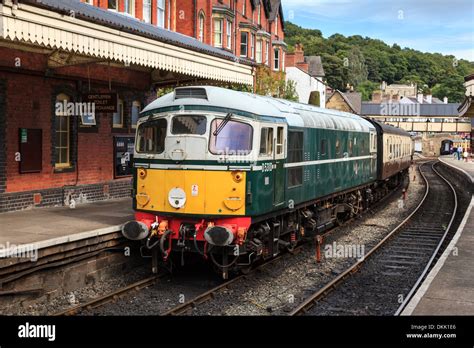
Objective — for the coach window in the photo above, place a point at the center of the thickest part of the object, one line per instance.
(324, 145)
(62, 148)
(266, 141)
(280, 140)
(350, 146)
(295, 155)
(338, 148)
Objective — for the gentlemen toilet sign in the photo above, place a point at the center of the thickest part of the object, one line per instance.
(103, 102)
(37, 331)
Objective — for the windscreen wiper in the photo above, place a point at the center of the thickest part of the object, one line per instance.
(223, 124)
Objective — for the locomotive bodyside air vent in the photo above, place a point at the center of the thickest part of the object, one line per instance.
(196, 93)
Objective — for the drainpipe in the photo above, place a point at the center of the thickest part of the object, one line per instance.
(195, 19)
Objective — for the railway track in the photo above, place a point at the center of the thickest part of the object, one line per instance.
(203, 297)
(409, 248)
(210, 294)
(103, 300)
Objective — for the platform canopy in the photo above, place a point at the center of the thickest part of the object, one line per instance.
(88, 31)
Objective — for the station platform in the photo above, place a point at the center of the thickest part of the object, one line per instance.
(449, 287)
(49, 227)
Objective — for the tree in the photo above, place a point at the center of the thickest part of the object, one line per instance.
(274, 84)
(355, 64)
(392, 64)
(366, 88)
(451, 87)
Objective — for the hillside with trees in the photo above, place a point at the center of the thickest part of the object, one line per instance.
(364, 63)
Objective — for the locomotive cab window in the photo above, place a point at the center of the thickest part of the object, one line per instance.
(231, 136)
(280, 141)
(189, 125)
(151, 136)
(266, 141)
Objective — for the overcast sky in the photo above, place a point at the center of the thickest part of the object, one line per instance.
(427, 25)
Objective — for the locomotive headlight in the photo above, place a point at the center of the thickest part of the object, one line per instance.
(142, 173)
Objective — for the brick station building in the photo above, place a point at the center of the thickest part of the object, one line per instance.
(65, 51)
(250, 29)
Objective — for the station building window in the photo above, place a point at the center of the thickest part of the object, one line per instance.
(201, 26)
(62, 133)
(218, 32)
(117, 118)
(244, 37)
(147, 11)
(276, 65)
(136, 108)
(160, 13)
(229, 35)
(259, 51)
(112, 5)
(129, 7)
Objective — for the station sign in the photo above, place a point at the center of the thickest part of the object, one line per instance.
(103, 102)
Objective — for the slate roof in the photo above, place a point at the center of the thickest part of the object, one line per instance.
(315, 68)
(130, 24)
(275, 8)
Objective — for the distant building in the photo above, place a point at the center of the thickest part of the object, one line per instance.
(404, 94)
(466, 109)
(308, 74)
(398, 89)
(348, 102)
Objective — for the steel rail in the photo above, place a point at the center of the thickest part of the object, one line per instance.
(435, 253)
(209, 295)
(102, 300)
(310, 301)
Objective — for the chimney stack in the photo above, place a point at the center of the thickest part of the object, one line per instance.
(377, 96)
(429, 98)
(299, 53)
(445, 100)
(420, 98)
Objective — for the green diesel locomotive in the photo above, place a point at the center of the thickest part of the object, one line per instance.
(238, 177)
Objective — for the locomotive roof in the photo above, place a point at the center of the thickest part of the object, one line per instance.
(295, 114)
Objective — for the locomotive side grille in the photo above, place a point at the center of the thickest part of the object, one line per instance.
(196, 93)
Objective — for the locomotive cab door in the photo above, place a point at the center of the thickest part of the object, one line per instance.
(279, 176)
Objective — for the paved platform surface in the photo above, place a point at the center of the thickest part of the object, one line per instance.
(449, 287)
(467, 167)
(52, 226)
